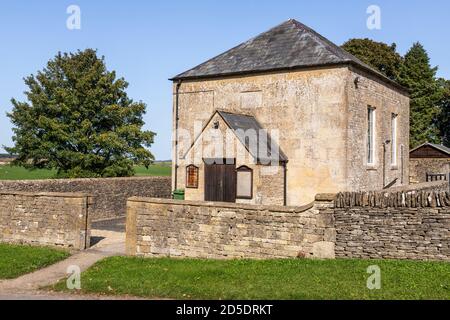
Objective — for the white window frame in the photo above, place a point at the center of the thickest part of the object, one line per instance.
(371, 136)
(394, 143)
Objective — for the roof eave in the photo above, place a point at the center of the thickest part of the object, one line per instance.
(250, 72)
(295, 68)
(382, 77)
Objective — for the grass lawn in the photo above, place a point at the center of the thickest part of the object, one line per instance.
(8, 172)
(18, 260)
(271, 279)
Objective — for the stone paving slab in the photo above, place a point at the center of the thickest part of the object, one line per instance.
(116, 225)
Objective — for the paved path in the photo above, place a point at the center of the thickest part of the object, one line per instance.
(28, 286)
(116, 224)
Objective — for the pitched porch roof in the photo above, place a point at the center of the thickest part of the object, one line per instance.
(261, 149)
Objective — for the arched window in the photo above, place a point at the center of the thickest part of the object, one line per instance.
(192, 177)
(244, 180)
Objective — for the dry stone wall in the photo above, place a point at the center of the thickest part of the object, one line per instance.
(399, 225)
(109, 195)
(48, 219)
(157, 227)
(370, 225)
(436, 186)
(420, 168)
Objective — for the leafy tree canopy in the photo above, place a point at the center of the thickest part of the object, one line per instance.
(414, 72)
(376, 54)
(79, 120)
(443, 121)
(419, 77)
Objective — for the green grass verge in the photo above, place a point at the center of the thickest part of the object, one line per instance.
(8, 172)
(18, 260)
(270, 279)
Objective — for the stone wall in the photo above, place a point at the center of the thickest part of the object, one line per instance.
(315, 143)
(109, 195)
(403, 225)
(436, 186)
(420, 168)
(370, 225)
(371, 92)
(48, 219)
(157, 227)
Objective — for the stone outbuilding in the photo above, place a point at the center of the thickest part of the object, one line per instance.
(283, 117)
(429, 162)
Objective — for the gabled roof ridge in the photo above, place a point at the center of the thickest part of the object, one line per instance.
(225, 117)
(290, 45)
(330, 46)
(335, 49)
(433, 145)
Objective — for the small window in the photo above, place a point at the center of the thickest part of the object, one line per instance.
(371, 136)
(192, 177)
(244, 179)
(394, 140)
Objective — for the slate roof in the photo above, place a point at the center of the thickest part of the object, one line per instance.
(240, 124)
(290, 45)
(439, 147)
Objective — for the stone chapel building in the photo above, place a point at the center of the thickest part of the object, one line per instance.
(283, 117)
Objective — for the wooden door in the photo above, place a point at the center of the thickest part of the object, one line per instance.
(220, 182)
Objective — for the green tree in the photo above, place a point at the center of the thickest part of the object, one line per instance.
(419, 77)
(443, 119)
(79, 120)
(376, 54)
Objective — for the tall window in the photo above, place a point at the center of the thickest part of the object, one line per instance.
(394, 140)
(371, 136)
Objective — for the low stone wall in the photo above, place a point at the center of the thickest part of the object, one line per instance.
(157, 227)
(403, 225)
(420, 167)
(109, 195)
(48, 219)
(370, 225)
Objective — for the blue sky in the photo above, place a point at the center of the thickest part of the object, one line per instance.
(147, 42)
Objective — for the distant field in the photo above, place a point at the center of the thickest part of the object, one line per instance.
(8, 172)
(157, 170)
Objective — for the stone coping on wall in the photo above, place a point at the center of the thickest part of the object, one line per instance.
(405, 199)
(326, 197)
(46, 194)
(436, 185)
(227, 205)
